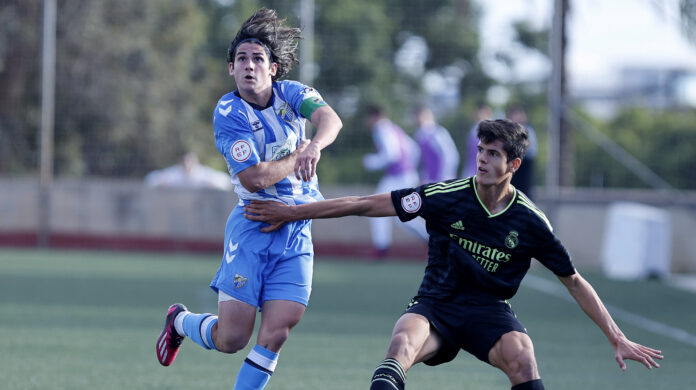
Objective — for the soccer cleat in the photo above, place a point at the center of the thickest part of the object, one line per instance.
(169, 341)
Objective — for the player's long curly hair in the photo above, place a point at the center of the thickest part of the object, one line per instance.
(265, 26)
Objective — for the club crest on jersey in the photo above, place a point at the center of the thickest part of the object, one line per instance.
(239, 281)
(285, 113)
(511, 240)
(240, 151)
(411, 202)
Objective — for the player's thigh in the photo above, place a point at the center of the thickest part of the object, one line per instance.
(412, 340)
(245, 258)
(288, 277)
(235, 323)
(430, 347)
(514, 354)
(278, 317)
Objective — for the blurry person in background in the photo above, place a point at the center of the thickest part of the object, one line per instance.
(397, 155)
(439, 155)
(189, 173)
(524, 177)
(260, 131)
(483, 112)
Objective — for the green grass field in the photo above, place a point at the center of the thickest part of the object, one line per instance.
(88, 320)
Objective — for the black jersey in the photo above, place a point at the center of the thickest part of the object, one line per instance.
(472, 254)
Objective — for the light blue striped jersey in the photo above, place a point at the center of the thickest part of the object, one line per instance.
(247, 134)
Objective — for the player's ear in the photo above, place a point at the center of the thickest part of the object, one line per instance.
(273, 69)
(516, 162)
(231, 68)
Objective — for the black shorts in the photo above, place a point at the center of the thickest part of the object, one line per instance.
(473, 327)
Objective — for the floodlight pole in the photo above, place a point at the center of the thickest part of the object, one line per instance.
(48, 83)
(307, 43)
(556, 98)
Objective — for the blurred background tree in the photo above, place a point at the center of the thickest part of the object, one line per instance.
(137, 83)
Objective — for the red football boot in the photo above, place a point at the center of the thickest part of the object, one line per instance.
(169, 341)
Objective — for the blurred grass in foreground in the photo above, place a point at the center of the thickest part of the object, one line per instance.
(88, 320)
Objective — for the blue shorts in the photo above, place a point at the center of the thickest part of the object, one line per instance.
(257, 267)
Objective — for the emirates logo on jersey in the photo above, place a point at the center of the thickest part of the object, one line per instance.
(411, 202)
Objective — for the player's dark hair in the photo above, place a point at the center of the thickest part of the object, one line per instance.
(280, 41)
(513, 135)
(374, 109)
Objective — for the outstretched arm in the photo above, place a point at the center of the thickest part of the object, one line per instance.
(590, 303)
(277, 213)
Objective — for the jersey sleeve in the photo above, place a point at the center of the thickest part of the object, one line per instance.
(554, 256)
(234, 138)
(303, 99)
(409, 203)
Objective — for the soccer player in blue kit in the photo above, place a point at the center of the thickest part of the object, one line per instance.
(483, 235)
(260, 130)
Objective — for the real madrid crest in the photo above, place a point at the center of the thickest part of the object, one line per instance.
(511, 240)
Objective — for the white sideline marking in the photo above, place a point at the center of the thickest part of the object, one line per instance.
(557, 290)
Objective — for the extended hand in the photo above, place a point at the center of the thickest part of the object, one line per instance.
(273, 213)
(627, 349)
(307, 160)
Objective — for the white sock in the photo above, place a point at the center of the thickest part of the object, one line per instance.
(179, 322)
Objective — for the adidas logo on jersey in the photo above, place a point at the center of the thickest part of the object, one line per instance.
(458, 225)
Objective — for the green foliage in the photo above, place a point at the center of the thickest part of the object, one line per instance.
(137, 82)
(532, 38)
(687, 11)
(125, 84)
(662, 140)
(20, 37)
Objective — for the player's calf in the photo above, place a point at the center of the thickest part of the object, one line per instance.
(257, 369)
(199, 327)
(513, 353)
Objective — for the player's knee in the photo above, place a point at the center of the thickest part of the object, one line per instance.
(274, 339)
(522, 366)
(231, 343)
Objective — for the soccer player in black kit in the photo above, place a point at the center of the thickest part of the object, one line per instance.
(483, 235)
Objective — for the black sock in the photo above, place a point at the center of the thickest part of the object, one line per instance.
(531, 385)
(389, 375)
